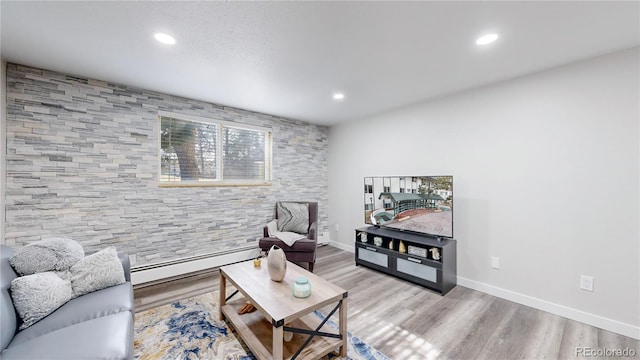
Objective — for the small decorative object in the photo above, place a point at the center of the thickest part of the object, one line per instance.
(390, 244)
(363, 237)
(402, 248)
(287, 335)
(414, 250)
(276, 263)
(435, 253)
(246, 308)
(377, 241)
(257, 262)
(301, 288)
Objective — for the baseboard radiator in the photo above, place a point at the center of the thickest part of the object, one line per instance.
(153, 273)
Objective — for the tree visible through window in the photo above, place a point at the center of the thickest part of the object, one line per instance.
(198, 150)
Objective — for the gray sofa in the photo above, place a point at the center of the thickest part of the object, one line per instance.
(98, 325)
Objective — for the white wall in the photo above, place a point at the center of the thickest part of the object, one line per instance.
(546, 177)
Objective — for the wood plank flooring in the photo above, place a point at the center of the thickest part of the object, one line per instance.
(406, 321)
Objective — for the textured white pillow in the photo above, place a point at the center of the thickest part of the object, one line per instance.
(54, 254)
(293, 217)
(38, 295)
(97, 271)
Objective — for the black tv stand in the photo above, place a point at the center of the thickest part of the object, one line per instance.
(424, 260)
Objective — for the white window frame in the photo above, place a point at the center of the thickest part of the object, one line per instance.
(221, 125)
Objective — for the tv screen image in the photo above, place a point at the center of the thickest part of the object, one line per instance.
(419, 204)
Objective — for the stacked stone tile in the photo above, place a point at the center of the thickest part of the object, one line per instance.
(82, 162)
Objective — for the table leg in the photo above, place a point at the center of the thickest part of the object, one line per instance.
(343, 327)
(223, 295)
(278, 339)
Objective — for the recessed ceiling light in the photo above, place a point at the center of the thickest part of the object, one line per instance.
(164, 38)
(487, 39)
(338, 96)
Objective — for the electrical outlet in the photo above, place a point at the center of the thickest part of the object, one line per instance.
(495, 262)
(586, 282)
(337, 227)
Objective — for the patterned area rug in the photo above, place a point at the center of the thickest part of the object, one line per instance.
(190, 330)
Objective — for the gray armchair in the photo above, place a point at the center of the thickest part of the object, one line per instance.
(303, 250)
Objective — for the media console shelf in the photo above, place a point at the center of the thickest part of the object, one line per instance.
(420, 259)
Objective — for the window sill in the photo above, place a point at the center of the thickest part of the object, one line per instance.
(212, 184)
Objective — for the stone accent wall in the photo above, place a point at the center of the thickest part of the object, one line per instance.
(82, 162)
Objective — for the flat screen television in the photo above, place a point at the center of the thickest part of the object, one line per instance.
(418, 204)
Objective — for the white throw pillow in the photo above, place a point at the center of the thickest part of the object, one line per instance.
(38, 295)
(54, 254)
(97, 271)
(293, 217)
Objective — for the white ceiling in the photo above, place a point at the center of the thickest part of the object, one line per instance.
(287, 58)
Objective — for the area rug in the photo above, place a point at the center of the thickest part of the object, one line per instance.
(190, 330)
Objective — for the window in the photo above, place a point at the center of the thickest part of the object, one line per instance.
(200, 151)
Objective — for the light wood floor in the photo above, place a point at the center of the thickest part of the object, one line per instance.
(406, 321)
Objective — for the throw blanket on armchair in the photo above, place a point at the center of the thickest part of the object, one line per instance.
(287, 237)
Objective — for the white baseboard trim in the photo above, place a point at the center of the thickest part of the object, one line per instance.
(163, 272)
(557, 309)
(341, 246)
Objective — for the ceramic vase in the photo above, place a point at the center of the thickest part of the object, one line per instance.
(276, 263)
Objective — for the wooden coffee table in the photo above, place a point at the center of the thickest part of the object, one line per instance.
(279, 311)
